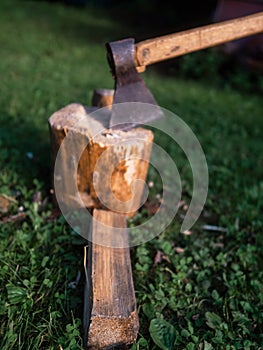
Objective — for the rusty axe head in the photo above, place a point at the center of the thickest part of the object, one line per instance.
(129, 87)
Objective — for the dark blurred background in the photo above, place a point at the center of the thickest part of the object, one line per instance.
(240, 63)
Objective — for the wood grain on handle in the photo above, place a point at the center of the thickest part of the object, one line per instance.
(173, 45)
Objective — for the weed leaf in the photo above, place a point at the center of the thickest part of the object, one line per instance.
(207, 346)
(148, 310)
(213, 320)
(162, 333)
(15, 294)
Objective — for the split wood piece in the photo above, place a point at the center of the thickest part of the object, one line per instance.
(169, 46)
(110, 299)
(102, 98)
(125, 159)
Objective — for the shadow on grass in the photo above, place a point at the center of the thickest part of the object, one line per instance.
(119, 19)
(23, 151)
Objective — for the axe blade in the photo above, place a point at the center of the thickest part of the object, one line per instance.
(129, 87)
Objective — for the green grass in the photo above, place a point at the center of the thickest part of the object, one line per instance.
(209, 296)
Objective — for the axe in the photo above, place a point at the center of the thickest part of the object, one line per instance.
(127, 59)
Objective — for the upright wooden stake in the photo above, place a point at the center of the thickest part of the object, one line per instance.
(112, 312)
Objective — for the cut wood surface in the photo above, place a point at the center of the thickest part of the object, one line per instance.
(110, 297)
(102, 97)
(174, 45)
(125, 159)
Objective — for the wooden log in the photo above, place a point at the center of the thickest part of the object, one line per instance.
(110, 304)
(125, 159)
(110, 316)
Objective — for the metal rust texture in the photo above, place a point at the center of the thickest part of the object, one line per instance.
(129, 86)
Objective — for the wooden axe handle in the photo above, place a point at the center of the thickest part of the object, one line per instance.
(173, 45)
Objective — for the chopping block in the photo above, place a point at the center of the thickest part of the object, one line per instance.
(110, 318)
